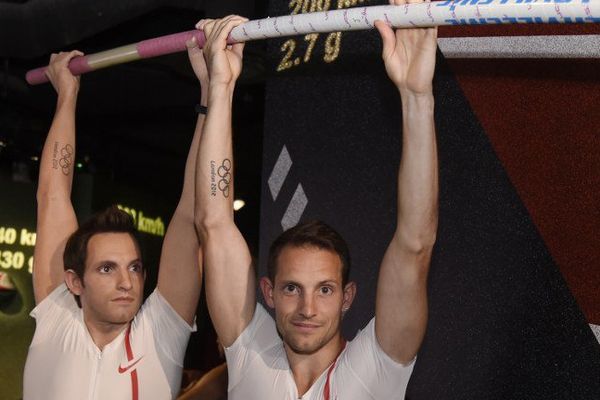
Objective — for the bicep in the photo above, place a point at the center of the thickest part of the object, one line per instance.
(230, 282)
(401, 303)
(179, 274)
(55, 223)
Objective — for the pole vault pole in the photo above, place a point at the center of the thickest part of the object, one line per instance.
(437, 13)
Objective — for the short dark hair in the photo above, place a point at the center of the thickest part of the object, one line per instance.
(111, 220)
(311, 233)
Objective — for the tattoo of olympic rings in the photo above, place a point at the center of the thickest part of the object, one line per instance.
(66, 159)
(225, 174)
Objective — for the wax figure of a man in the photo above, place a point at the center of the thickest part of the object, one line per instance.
(302, 354)
(94, 338)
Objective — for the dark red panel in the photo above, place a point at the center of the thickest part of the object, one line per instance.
(542, 117)
(518, 30)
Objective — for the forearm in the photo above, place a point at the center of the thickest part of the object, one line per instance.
(214, 168)
(56, 219)
(182, 222)
(58, 154)
(185, 208)
(188, 195)
(418, 174)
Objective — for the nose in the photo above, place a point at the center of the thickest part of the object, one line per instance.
(125, 282)
(307, 306)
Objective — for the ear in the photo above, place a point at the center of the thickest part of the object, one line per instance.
(73, 282)
(266, 286)
(349, 294)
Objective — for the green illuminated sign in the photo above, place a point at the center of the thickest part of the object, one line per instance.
(14, 236)
(143, 223)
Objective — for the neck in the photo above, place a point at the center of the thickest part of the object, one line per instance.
(307, 368)
(103, 333)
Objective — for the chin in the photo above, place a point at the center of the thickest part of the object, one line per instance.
(302, 346)
(123, 317)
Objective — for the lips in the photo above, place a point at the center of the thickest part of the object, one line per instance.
(123, 300)
(305, 327)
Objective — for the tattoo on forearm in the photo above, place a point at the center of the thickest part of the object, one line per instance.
(55, 156)
(66, 159)
(213, 185)
(225, 174)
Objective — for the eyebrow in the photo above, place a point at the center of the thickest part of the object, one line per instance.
(327, 282)
(285, 283)
(105, 262)
(110, 262)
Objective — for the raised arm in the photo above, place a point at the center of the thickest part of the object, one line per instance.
(401, 304)
(56, 219)
(180, 272)
(228, 271)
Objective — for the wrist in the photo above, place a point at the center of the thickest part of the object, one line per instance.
(221, 86)
(417, 97)
(204, 99)
(417, 103)
(68, 90)
(204, 84)
(423, 93)
(67, 98)
(218, 91)
(201, 109)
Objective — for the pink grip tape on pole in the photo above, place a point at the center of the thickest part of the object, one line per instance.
(78, 66)
(436, 13)
(168, 44)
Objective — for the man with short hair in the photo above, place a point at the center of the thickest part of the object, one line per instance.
(302, 354)
(94, 338)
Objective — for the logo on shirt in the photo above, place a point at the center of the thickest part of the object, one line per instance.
(126, 368)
